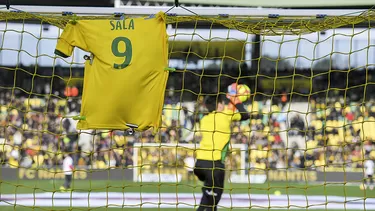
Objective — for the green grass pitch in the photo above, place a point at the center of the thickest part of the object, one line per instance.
(40, 186)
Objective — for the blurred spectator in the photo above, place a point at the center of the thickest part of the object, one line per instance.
(35, 130)
(297, 126)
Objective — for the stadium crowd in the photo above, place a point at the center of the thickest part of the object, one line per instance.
(35, 132)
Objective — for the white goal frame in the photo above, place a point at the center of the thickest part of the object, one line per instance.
(201, 11)
(137, 146)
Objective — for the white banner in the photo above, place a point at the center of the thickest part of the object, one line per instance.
(248, 179)
(160, 178)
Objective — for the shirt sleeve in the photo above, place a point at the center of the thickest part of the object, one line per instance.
(70, 38)
(236, 117)
(232, 116)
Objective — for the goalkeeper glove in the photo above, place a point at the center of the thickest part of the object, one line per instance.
(232, 89)
(232, 94)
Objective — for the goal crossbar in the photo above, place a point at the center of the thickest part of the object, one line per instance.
(201, 11)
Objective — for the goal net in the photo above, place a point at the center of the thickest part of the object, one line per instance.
(308, 144)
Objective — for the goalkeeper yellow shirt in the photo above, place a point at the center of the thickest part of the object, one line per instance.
(125, 81)
(215, 129)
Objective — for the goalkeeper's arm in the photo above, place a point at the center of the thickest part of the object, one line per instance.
(234, 101)
(241, 109)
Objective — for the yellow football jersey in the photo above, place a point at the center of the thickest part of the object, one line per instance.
(215, 130)
(125, 81)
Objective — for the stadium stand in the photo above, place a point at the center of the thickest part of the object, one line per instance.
(38, 131)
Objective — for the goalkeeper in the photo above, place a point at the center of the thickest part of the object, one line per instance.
(216, 130)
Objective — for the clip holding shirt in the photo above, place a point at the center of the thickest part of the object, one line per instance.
(119, 15)
(177, 4)
(91, 58)
(170, 69)
(79, 118)
(150, 16)
(73, 17)
(131, 131)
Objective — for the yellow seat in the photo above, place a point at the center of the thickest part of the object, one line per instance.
(318, 163)
(333, 140)
(255, 106)
(318, 125)
(348, 139)
(259, 154)
(249, 107)
(265, 111)
(100, 164)
(348, 132)
(261, 166)
(13, 163)
(253, 121)
(337, 105)
(264, 153)
(275, 108)
(371, 126)
(318, 137)
(253, 154)
(308, 162)
(266, 130)
(367, 131)
(271, 138)
(330, 136)
(329, 125)
(312, 123)
(347, 109)
(372, 154)
(311, 145)
(363, 109)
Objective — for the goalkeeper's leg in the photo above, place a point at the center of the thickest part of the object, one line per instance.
(213, 183)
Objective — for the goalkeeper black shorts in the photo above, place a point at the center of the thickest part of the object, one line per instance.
(212, 173)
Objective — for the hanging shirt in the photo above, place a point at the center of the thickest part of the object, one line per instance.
(124, 82)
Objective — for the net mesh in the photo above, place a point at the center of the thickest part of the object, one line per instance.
(312, 114)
